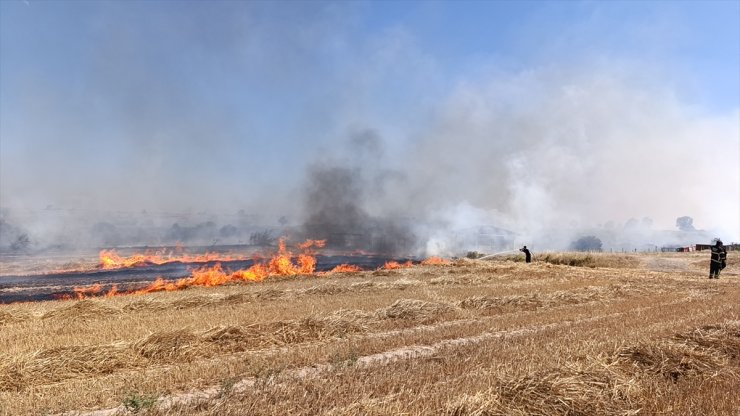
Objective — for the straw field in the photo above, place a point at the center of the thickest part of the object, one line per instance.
(619, 334)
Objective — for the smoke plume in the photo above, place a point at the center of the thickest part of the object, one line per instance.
(222, 120)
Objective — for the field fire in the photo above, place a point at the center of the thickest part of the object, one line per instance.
(110, 259)
(281, 264)
(342, 208)
(487, 326)
(117, 275)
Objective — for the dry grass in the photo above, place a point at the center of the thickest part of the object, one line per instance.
(573, 390)
(83, 310)
(706, 351)
(577, 259)
(10, 317)
(416, 310)
(612, 335)
(61, 363)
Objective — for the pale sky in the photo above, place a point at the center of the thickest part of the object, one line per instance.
(184, 105)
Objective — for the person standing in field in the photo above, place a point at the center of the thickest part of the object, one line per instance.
(527, 254)
(719, 260)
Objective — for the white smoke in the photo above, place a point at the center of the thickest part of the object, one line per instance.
(552, 152)
(184, 115)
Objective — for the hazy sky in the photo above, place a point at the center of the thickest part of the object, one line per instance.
(601, 110)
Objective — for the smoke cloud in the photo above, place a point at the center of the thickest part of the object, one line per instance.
(339, 199)
(220, 120)
(550, 153)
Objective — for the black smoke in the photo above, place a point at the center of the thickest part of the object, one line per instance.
(338, 197)
(685, 223)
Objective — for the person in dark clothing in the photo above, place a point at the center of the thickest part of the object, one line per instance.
(527, 254)
(719, 260)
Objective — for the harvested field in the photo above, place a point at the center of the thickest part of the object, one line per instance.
(609, 335)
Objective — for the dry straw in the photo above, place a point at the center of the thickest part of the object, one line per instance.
(416, 310)
(567, 391)
(705, 351)
(195, 301)
(146, 305)
(173, 346)
(83, 310)
(8, 317)
(619, 381)
(57, 364)
(62, 363)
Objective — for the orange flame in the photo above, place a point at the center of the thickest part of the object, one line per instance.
(91, 291)
(110, 259)
(112, 292)
(256, 273)
(346, 268)
(308, 244)
(390, 265)
(435, 261)
(281, 264)
(83, 292)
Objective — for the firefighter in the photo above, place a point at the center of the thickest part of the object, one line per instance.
(719, 260)
(527, 254)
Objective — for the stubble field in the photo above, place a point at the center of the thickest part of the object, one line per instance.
(569, 334)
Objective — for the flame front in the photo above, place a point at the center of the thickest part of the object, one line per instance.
(281, 264)
(346, 268)
(390, 265)
(435, 261)
(110, 259)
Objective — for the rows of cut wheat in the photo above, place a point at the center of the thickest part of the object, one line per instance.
(167, 346)
(611, 364)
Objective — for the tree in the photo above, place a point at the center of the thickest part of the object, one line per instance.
(586, 243)
(228, 231)
(21, 243)
(106, 233)
(685, 223)
(262, 238)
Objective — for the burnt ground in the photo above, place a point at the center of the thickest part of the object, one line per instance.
(50, 286)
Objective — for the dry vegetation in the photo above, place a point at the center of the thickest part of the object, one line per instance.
(627, 334)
